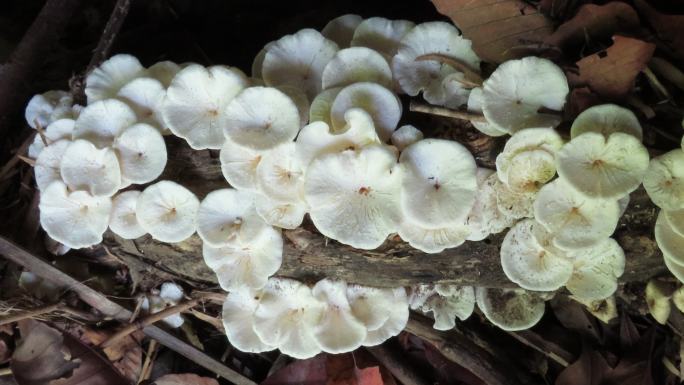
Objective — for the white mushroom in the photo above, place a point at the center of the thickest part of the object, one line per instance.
(279, 174)
(382, 105)
(516, 91)
(57, 130)
(298, 60)
(47, 107)
(47, 168)
(286, 317)
(318, 138)
(321, 105)
(123, 221)
(664, 180)
(258, 62)
(354, 195)
(603, 167)
(606, 119)
(196, 102)
(475, 106)
(141, 152)
(448, 302)
(341, 29)
(300, 100)
(514, 205)
(510, 309)
(167, 211)
(438, 182)
(357, 64)
(596, 270)
(380, 34)
(227, 217)
(658, 296)
(163, 71)
(675, 219)
(405, 136)
(338, 330)
(285, 214)
(101, 122)
(239, 165)
(414, 75)
(145, 96)
(76, 219)
(249, 264)
(527, 263)
(575, 220)
(238, 318)
(485, 217)
(669, 241)
(432, 240)
(261, 118)
(383, 311)
(85, 167)
(106, 80)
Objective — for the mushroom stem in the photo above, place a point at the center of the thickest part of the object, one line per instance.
(470, 75)
(441, 111)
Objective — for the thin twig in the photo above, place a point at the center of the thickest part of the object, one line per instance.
(146, 371)
(472, 76)
(30, 314)
(215, 322)
(441, 111)
(5, 372)
(523, 338)
(10, 165)
(27, 160)
(97, 300)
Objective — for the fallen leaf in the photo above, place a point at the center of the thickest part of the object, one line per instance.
(611, 73)
(94, 368)
(634, 367)
(499, 29)
(629, 335)
(573, 316)
(595, 22)
(126, 354)
(589, 369)
(311, 372)
(342, 369)
(579, 100)
(184, 379)
(558, 9)
(40, 356)
(669, 28)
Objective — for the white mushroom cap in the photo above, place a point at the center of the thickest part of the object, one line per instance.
(163, 71)
(658, 296)
(434, 37)
(85, 167)
(676, 220)
(354, 195)
(664, 180)
(448, 302)
(527, 263)
(154, 304)
(451, 93)
(475, 106)
(382, 104)
(515, 92)
(669, 242)
(246, 264)
(514, 205)
(300, 100)
(145, 96)
(287, 215)
(258, 62)
(510, 309)
(76, 219)
(286, 317)
(261, 118)
(279, 174)
(228, 217)
(45, 108)
(341, 29)
(380, 34)
(167, 211)
(338, 330)
(123, 221)
(298, 60)
(357, 64)
(57, 130)
(543, 138)
(674, 268)
(603, 167)
(432, 240)
(596, 270)
(196, 101)
(321, 105)
(47, 167)
(106, 80)
(239, 165)
(142, 153)
(384, 312)
(171, 293)
(438, 183)
(606, 119)
(405, 136)
(238, 318)
(575, 220)
(317, 138)
(485, 217)
(623, 203)
(101, 122)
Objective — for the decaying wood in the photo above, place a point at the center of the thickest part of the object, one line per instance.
(309, 256)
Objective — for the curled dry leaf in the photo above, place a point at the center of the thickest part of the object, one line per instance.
(499, 29)
(594, 22)
(185, 379)
(611, 72)
(126, 354)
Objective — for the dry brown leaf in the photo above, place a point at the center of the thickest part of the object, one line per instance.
(500, 29)
(126, 354)
(611, 73)
(669, 28)
(589, 369)
(40, 356)
(185, 379)
(94, 368)
(595, 21)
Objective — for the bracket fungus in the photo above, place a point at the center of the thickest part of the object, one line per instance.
(48, 107)
(167, 211)
(381, 34)
(107, 79)
(341, 29)
(510, 309)
(123, 221)
(141, 152)
(101, 122)
(664, 180)
(57, 130)
(606, 119)
(356, 64)
(86, 167)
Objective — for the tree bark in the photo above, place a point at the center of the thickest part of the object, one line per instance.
(309, 256)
